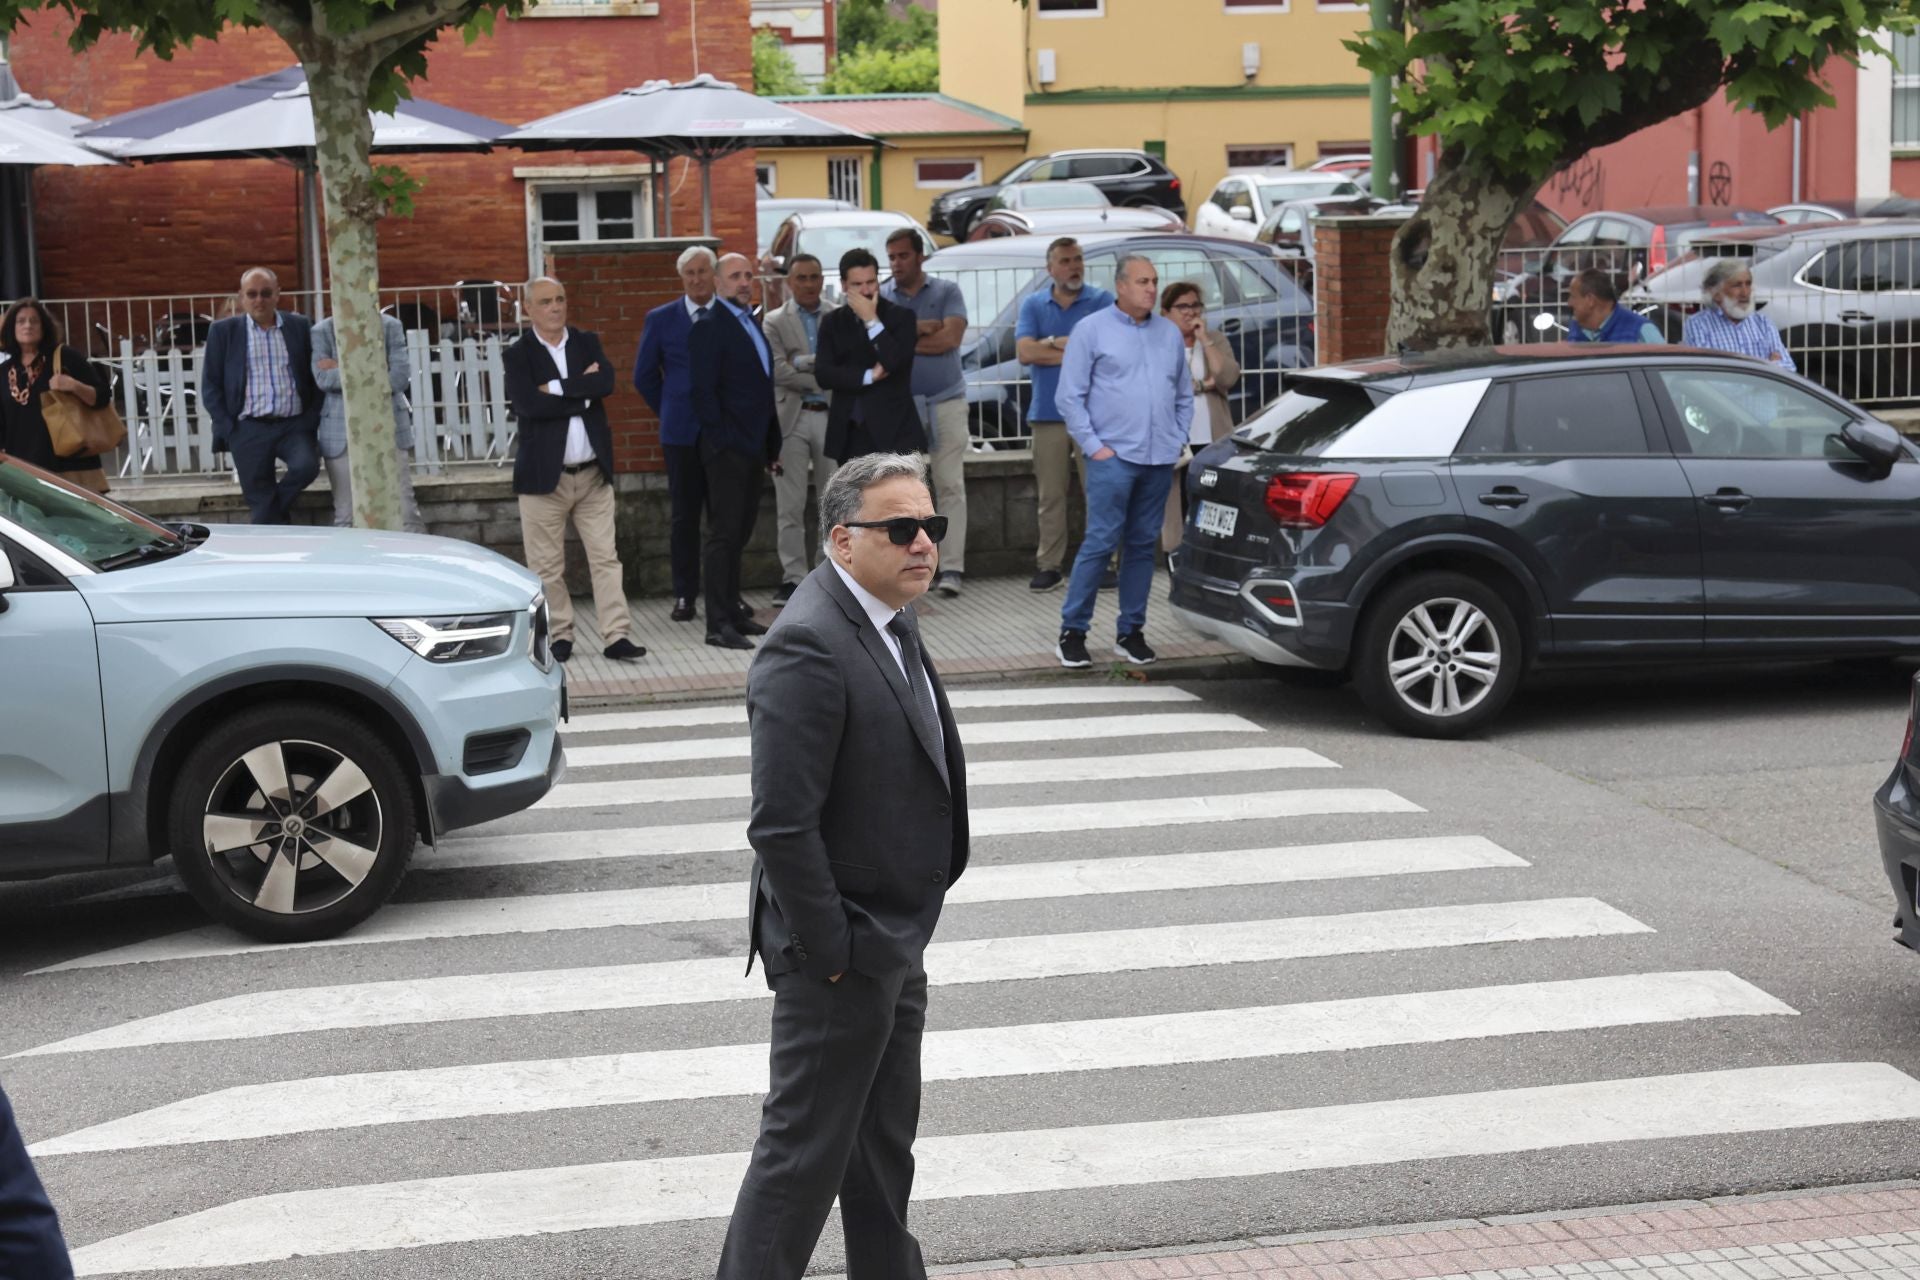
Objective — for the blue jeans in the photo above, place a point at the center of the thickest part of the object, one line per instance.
(1126, 502)
(255, 444)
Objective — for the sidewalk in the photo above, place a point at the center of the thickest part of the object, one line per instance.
(997, 627)
(1852, 1231)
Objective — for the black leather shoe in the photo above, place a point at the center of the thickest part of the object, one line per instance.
(748, 627)
(562, 650)
(784, 592)
(728, 638)
(682, 609)
(741, 609)
(625, 650)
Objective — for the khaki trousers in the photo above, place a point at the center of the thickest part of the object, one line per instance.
(1053, 451)
(803, 455)
(586, 498)
(951, 443)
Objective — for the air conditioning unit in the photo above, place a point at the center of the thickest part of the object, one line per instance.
(1044, 69)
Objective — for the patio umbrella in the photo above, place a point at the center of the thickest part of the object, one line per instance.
(702, 119)
(33, 132)
(270, 117)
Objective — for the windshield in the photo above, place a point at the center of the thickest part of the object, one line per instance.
(767, 222)
(988, 291)
(1063, 195)
(829, 243)
(1273, 193)
(1308, 418)
(80, 524)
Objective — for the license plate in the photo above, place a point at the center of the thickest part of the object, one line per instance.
(1217, 519)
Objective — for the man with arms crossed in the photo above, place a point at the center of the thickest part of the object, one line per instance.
(859, 826)
(794, 332)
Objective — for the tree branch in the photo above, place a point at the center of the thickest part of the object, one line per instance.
(384, 36)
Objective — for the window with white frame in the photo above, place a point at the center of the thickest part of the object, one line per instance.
(1070, 8)
(1906, 92)
(946, 172)
(1341, 6)
(844, 179)
(1248, 156)
(767, 174)
(570, 213)
(1256, 6)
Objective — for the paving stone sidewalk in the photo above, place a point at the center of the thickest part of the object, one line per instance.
(997, 627)
(1842, 1231)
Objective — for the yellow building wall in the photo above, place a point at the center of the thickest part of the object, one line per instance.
(980, 58)
(802, 174)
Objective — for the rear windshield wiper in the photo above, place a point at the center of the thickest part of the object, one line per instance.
(146, 551)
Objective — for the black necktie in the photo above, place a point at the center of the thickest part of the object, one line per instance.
(701, 314)
(929, 718)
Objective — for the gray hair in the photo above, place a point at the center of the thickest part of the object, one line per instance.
(1720, 273)
(693, 253)
(1120, 268)
(847, 488)
(272, 279)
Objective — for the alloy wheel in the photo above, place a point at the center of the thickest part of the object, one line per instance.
(1444, 657)
(292, 827)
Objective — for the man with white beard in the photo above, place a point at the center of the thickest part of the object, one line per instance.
(1729, 321)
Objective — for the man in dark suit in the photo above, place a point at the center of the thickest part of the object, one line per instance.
(31, 1247)
(557, 378)
(859, 826)
(256, 381)
(866, 360)
(730, 380)
(660, 374)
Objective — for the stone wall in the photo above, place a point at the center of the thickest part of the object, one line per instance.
(1352, 286)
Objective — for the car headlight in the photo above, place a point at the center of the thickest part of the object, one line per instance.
(454, 638)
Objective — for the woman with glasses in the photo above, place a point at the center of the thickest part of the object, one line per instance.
(1215, 371)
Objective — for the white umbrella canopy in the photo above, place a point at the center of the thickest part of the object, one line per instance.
(33, 132)
(702, 118)
(24, 141)
(24, 108)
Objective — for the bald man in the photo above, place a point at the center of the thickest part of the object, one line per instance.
(256, 381)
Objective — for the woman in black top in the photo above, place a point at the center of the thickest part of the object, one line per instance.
(29, 336)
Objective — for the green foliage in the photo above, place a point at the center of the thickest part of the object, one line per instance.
(774, 74)
(1516, 88)
(875, 70)
(395, 189)
(871, 24)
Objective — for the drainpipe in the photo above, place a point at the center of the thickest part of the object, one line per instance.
(1799, 145)
(1693, 156)
(1380, 94)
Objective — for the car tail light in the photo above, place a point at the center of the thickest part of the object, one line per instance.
(1307, 499)
(1173, 184)
(1906, 742)
(1657, 253)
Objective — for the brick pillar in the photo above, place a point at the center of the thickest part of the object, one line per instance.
(1352, 286)
(610, 289)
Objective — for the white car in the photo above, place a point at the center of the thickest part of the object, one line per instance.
(1242, 201)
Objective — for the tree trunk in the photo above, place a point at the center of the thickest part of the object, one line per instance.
(344, 136)
(1444, 259)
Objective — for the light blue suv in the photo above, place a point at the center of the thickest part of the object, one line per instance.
(285, 711)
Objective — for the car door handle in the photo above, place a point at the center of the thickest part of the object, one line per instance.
(1855, 317)
(1727, 499)
(1506, 497)
(1229, 326)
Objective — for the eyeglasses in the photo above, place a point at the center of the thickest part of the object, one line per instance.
(902, 530)
(263, 293)
(1187, 306)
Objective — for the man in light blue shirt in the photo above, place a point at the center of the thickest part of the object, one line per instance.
(1126, 395)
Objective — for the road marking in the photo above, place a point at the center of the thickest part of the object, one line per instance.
(519, 1203)
(991, 733)
(410, 1001)
(988, 773)
(960, 699)
(624, 908)
(1218, 1035)
(1017, 820)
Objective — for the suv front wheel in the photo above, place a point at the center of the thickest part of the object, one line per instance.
(1439, 655)
(291, 822)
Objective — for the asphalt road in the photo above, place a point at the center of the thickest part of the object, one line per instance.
(1693, 842)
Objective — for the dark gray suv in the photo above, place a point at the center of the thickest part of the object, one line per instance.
(1433, 526)
(1131, 179)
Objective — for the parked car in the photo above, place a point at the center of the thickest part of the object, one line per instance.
(284, 711)
(1288, 229)
(827, 234)
(1846, 210)
(1242, 201)
(1249, 298)
(770, 212)
(1053, 223)
(1845, 297)
(1896, 816)
(1049, 195)
(1131, 179)
(1435, 525)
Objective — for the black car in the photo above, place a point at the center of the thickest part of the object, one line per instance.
(1130, 179)
(1896, 815)
(1436, 525)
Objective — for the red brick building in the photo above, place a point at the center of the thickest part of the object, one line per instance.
(191, 227)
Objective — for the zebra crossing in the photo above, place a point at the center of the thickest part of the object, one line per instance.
(545, 1060)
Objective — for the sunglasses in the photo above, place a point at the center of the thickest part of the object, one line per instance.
(263, 293)
(902, 530)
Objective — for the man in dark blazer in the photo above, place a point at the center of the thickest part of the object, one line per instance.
(866, 360)
(31, 1247)
(660, 375)
(730, 380)
(557, 378)
(859, 826)
(256, 381)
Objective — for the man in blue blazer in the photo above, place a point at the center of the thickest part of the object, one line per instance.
(660, 374)
(730, 381)
(31, 1247)
(256, 381)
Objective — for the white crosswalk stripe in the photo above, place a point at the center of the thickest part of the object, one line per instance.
(960, 699)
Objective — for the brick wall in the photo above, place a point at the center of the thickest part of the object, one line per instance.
(1352, 286)
(192, 227)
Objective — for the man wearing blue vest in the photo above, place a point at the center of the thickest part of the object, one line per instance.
(1598, 315)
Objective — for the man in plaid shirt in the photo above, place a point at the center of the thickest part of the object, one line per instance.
(1729, 321)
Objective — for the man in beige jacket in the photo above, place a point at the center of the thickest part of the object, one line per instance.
(793, 331)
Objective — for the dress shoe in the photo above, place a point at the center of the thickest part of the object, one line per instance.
(1045, 580)
(784, 592)
(562, 650)
(682, 609)
(741, 609)
(728, 638)
(746, 626)
(625, 650)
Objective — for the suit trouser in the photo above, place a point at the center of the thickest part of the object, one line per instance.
(803, 453)
(840, 1117)
(1053, 453)
(733, 501)
(586, 498)
(256, 444)
(949, 444)
(686, 498)
(342, 481)
(31, 1247)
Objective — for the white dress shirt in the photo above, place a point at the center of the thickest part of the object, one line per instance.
(579, 448)
(880, 613)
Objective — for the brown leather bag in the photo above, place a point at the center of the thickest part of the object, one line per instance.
(76, 427)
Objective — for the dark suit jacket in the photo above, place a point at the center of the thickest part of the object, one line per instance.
(660, 371)
(855, 835)
(732, 393)
(543, 416)
(31, 1247)
(223, 371)
(845, 355)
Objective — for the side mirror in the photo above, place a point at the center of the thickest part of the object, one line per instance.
(1874, 442)
(1544, 321)
(1240, 213)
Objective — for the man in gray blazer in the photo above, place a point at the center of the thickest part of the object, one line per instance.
(859, 826)
(794, 333)
(333, 420)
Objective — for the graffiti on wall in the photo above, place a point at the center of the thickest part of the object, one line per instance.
(1720, 183)
(1581, 186)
